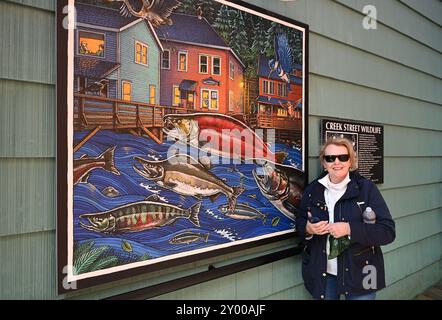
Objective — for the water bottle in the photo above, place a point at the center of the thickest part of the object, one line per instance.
(369, 216)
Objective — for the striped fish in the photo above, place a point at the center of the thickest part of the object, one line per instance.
(138, 216)
(189, 237)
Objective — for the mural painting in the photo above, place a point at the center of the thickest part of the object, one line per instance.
(186, 131)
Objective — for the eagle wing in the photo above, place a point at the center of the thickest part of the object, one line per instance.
(165, 7)
(283, 52)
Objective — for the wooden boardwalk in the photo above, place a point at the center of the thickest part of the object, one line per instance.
(96, 113)
(433, 293)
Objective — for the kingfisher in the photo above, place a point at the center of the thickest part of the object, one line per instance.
(283, 61)
(96, 87)
(157, 12)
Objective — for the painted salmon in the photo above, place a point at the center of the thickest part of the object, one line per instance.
(84, 165)
(184, 175)
(138, 216)
(282, 185)
(219, 135)
(243, 212)
(189, 237)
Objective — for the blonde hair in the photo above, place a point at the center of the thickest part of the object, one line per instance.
(344, 143)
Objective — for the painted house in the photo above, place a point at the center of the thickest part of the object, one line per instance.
(275, 98)
(119, 52)
(199, 71)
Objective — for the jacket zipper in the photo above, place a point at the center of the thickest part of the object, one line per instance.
(343, 257)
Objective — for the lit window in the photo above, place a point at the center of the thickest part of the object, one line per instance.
(204, 64)
(205, 99)
(127, 91)
(140, 53)
(176, 96)
(91, 44)
(182, 61)
(165, 59)
(152, 93)
(214, 100)
(216, 65)
(232, 70)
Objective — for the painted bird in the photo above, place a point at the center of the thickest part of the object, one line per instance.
(157, 12)
(199, 12)
(283, 61)
(96, 87)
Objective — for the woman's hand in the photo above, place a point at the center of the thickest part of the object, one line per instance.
(339, 229)
(318, 228)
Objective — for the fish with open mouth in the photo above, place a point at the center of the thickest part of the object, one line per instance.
(184, 175)
(85, 164)
(220, 135)
(138, 216)
(282, 185)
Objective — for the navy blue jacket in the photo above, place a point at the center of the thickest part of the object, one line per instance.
(366, 239)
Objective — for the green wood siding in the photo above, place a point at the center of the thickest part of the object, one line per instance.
(141, 76)
(390, 75)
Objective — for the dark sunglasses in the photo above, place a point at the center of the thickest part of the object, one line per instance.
(341, 157)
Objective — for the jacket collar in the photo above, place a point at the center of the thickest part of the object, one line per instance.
(353, 188)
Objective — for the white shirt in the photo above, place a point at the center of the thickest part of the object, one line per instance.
(332, 193)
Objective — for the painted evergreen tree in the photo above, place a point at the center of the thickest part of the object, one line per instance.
(187, 7)
(239, 41)
(210, 9)
(295, 41)
(269, 49)
(224, 22)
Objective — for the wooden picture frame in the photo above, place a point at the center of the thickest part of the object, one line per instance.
(145, 177)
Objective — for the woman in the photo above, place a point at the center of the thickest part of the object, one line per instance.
(337, 200)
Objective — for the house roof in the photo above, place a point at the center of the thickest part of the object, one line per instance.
(100, 16)
(93, 68)
(187, 28)
(188, 85)
(264, 70)
(272, 101)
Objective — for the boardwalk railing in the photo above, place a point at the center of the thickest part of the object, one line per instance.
(93, 111)
(274, 122)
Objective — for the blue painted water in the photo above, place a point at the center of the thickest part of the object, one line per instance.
(131, 187)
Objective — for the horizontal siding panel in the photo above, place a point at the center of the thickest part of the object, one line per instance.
(402, 172)
(294, 293)
(412, 285)
(27, 119)
(431, 9)
(28, 267)
(418, 143)
(338, 61)
(218, 289)
(338, 99)
(41, 4)
(28, 43)
(27, 200)
(415, 199)
(398, 264)
(413, 228)
(399, 17)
